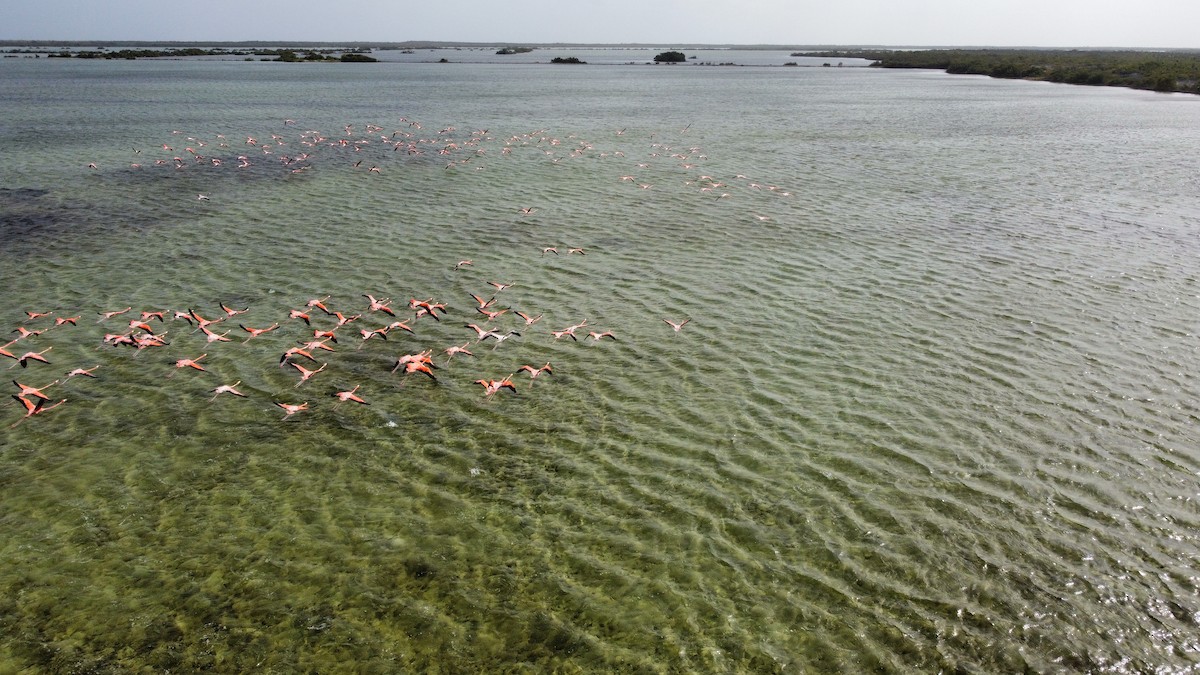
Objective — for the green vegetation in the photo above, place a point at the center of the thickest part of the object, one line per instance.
(145, 53)
(1166, 71)
(670, 57)
(288, 55)
(514, 50)
(569, 59)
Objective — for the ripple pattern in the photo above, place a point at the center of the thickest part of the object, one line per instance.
(933, 409)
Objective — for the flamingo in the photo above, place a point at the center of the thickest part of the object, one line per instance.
(59, 321)
(481, 332)
(210, 336)
(109, 315)
(534, 372)
(319, 304)
(190, 363)
(598, 336)
(140, 325)
(490, 387)
(677, 326)
(529, 320)
(489, 313)
(416, 366)
(202, 322)
(499, 337)
(227, 389)
(316, 344)
(379, 305)
(305, 373)
(32, 408)
(86, 372)
(255, 332)
(230, 312)
(36, 392)
(344, 396)
(36, 315)
(292, 409)
(455, 349)
(295, 351)
(483, 304)
(25, 358)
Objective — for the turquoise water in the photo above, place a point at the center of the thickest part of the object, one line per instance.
(934, 408)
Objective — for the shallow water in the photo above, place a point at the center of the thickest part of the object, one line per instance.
(934, 408)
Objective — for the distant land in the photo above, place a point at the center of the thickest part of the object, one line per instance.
(1163, 70)
(434, 44)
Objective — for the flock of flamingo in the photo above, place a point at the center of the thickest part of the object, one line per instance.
(312, 331)
(326, 329)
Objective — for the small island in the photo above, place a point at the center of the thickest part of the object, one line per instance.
(568, 59)
(670, 57)
(505, 51)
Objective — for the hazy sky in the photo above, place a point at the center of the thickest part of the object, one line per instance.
(1039, 23)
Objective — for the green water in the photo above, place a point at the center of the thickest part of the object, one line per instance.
(933, 410)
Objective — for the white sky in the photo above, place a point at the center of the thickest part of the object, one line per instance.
(1034, 23)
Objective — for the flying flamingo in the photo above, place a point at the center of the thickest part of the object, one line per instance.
(32, 408)
(36, 392)
(489, 313)
(534, 372)
(86, 372)
(292, 409)
(490, 387)
(344, 396)
(255, 332)
(455, 349)
(677, 326)
(305, 373)
(319, 304)
(214, 337)
(379, 305)
(25, 358)
(109, 315)
(483, 304)
(295, 351)
(190, 363)
(229, 311)
(529, 320)
(227, 389)
(36, 315)
(598, 336)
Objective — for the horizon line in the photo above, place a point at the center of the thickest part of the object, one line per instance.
(444, 44)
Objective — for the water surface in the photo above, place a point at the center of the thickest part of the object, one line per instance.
(934, 409)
